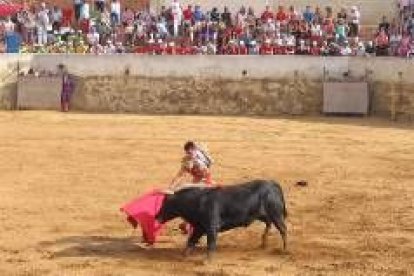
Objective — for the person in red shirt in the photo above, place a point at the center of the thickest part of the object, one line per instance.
(267, 14)
(266, 48)
(171, 49)
(188, 16)
(232, 48)
(243, 50)
(315, 50)
(278, 48)
(281, 15)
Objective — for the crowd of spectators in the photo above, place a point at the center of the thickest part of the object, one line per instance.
(107, 28)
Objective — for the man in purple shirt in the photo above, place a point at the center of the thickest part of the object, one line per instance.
(67, 90)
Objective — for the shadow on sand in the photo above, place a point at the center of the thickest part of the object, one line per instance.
(111, 247)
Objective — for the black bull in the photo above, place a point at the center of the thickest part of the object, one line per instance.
(213, 210)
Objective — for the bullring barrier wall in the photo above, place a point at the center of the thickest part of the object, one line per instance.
(217, 85)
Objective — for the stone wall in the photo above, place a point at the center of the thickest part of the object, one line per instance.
(199, 96)
(222, 85)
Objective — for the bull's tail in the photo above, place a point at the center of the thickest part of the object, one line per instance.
(279, 188)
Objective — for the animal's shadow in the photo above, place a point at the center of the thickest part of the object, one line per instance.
(110, 247)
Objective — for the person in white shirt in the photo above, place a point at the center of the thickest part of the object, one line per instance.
(115, 12)
(354, 21)
(85, 14)
(177, 14)
(9, 26)
(93, 36)
(42, 24)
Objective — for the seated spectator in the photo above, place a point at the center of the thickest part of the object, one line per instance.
(360, 51)
(303, 49)
(266, 48)
(382, 43)
(315, 50)
(395, 40)
(345, 49)
(404, 47)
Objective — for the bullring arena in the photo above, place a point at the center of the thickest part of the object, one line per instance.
(64, 177)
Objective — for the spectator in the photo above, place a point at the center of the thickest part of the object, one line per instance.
(77, 7)
(318, 17)
(395, 40)
(85, 10)
(384, 25)
(308, 15)
(56, 18)
(226, 17)
(267, 15)
(354, 21)
(382, 43)
(250, 18)
(215, 15)
(281, 15)
(360, 52)
(115, 12)
(342, 15)
(404, 47)
(177, 15)
(42, 24)
(100, 5)
(241, 17)
(188, 16)
(341, 31)
(198, 15)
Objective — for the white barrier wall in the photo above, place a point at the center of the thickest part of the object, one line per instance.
(145, 84)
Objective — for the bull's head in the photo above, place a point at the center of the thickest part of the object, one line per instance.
(169, 209)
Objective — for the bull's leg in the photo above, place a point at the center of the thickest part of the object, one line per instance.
(211, 243)
(281, 226)
(265, 235)
(193, 239)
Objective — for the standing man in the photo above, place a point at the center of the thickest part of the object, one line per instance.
(177, 15)
(67, 90)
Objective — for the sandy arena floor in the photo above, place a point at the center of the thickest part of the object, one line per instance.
(63, 178)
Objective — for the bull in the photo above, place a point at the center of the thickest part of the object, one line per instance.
(214, 210)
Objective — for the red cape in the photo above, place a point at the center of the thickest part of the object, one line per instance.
(142, 211)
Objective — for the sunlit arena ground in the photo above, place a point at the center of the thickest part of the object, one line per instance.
(63, 178)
